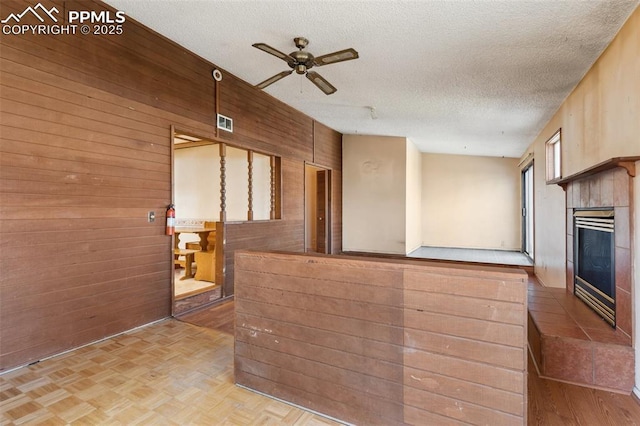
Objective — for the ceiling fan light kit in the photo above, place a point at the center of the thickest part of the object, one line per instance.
(302, 61)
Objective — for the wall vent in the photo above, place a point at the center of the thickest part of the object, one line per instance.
(225, 123)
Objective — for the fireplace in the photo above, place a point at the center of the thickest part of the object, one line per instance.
(594, 261)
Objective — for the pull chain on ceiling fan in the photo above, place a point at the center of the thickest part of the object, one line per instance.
(301, 61)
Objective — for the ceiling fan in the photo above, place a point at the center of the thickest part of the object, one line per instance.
(301, 61)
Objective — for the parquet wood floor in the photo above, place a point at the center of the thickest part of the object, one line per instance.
(175, 373)
(168, 373)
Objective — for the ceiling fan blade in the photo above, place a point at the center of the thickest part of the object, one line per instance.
(332, 58)
(273, 79)
(322, 84)
(275, 52)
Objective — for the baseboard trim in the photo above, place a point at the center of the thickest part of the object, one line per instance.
(86, 344)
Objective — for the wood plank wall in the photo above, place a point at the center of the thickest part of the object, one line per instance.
(85, 153)
(327, 152)
(330, 155)
(381, 341)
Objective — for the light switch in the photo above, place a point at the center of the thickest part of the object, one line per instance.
(151, 217)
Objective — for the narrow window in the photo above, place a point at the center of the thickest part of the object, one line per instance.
(553, 158)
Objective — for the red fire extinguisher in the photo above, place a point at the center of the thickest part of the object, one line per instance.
(171, 220)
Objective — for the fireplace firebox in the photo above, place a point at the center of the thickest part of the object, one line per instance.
(594, 262)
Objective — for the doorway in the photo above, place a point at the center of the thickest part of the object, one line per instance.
(317, 200)
(195, 194)
(527, 211)
(216, 186)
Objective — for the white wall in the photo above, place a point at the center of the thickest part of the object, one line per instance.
(237, 184)
(635, 250)
(470, 202)
(261, 187)
(549, 220)
(413, 231)
(374, 194)
(197, 184)
(396, 199)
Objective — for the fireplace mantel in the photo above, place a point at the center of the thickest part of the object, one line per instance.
(628, 163)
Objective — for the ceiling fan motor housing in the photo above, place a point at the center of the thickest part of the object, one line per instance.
(303, 61)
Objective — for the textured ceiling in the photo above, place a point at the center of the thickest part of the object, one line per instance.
(458, 77)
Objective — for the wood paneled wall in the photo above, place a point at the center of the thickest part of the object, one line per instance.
(329, 154)
(383, 342)
(85, 153)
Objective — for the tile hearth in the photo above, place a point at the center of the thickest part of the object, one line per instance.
(569, 342)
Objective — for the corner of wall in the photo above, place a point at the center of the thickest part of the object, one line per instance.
(413, 197)
(635, 276)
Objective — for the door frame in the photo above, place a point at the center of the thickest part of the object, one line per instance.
(528, 209)
(310, 213)
(202, 140)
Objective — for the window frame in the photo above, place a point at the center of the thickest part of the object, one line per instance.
(553, 149)
(190, 140)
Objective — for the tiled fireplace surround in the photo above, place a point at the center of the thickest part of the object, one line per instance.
(611, 188)
(568, 341)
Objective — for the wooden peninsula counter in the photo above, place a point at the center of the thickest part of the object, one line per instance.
(381, 341)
